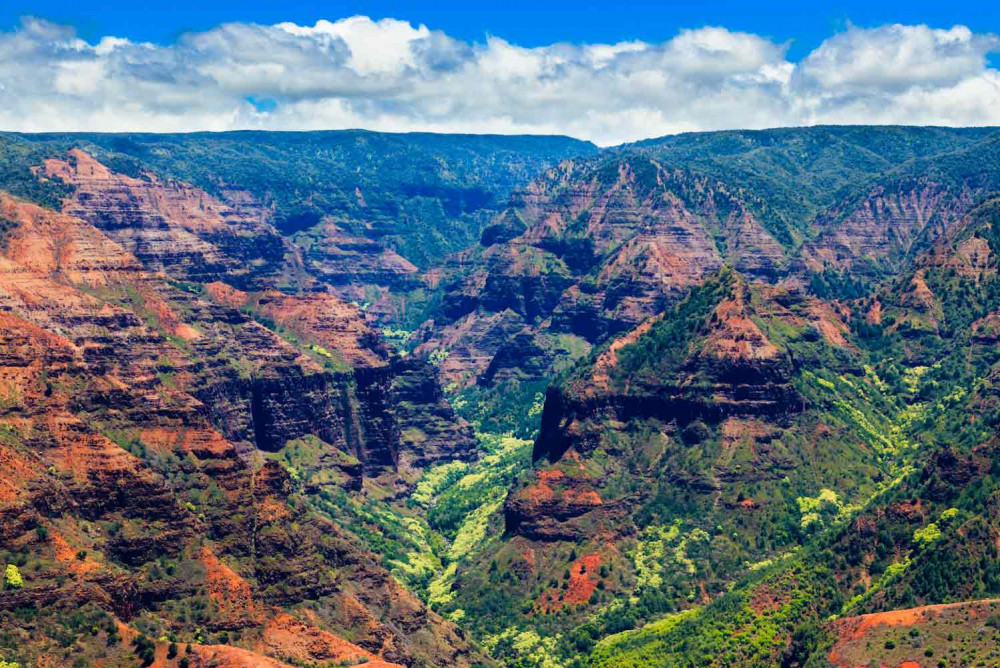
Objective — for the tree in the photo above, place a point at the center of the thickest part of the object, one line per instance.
(927, 535)
(145, 649)
(12, 578)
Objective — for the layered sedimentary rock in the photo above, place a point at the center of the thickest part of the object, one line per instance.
(139, 413)
(431, 432)
(886, 227)
(173, 226)
(354, 262)
(727, 383)
(595, 248)
(187, 398)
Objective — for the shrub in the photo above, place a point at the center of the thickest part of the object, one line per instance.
(12, 578)
(927, 535)
(145, 649)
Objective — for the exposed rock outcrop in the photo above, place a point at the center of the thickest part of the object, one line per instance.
(141, 405)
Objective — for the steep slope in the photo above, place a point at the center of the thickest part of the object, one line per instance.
(174, 227)
(697, 440)
(928, 539)
(140, 407)
(801, 172)
(918, 635)
(601, 248)
(597, 245)
(368, 210)
(722, 433)
(757, 372)
(882, 224)
(600, 244)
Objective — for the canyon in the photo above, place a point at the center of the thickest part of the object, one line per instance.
(368, 399)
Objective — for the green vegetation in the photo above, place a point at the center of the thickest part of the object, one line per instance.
(145, 650)
(923, 536)
(429, 194)
(485, 484)
(512, 407)
(444, 522)
(6, 227)
(523, 649)
(667, 344)
(791, 176)
(12, 577)
(882, 412)
(762, 462)
(17, 158)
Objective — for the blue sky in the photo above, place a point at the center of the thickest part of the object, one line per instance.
(601, 72)
(525, 22)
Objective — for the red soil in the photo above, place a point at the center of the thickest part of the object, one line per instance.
(609, 358)
(226, 295)
(735, 335)
(853, 630)
(583, 579)
(542, 490)
(226, 588)
(294, 640)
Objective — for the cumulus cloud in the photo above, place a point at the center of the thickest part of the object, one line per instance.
(392, 75)
(898, 57)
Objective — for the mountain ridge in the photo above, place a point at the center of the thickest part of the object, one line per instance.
(647, 407)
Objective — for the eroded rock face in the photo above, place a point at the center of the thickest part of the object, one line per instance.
(732, 370)
(558, 505)
(431, 432)
(172, 226)
(470, 343)
(140, 405)
(354, 262)
(50, 242)
(881, 231)
(730, 387)
(594, 249)
(160, 349)
(507, 227)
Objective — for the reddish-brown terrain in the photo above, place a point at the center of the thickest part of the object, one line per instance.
(902, 637)
(135, 409)
(582, 581)
(741, 359)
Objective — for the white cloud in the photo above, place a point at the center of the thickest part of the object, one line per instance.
(897, 57)
(381, 47)
(391, 75)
